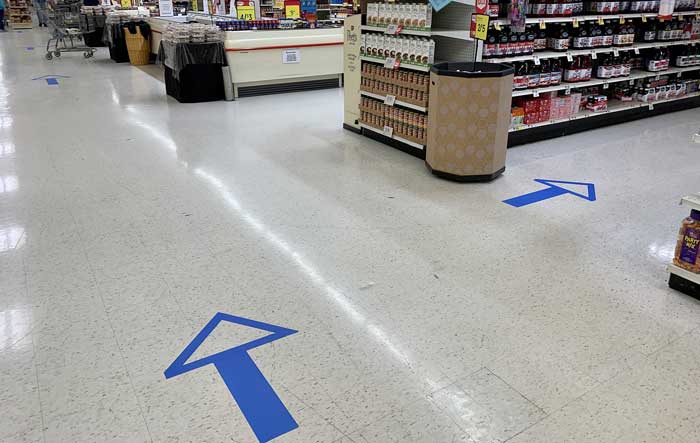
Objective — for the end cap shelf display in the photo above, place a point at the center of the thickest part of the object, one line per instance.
(622, 62)
(687, 256)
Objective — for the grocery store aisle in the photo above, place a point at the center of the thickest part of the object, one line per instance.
(426, 311)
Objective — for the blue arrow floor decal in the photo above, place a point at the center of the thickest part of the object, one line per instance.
(259, 403)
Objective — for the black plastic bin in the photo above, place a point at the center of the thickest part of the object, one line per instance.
(196, 83)
(118, 51)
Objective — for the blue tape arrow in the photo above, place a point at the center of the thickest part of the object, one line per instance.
(259, 403)
(552, 190)
(51, 79)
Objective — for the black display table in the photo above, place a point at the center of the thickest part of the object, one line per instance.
(193, 70)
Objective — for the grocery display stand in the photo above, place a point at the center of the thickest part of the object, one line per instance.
(449, 30)
(617, 112)
(680, 279)
(18, 14)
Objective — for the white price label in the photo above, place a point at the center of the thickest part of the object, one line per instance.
(535, 93)
(393, 29)
(567, 91)
(616, 53)
(651, 106)
(657, 78)
(569, 57)
(606, 85)
(631, 82)
(388, 131)
(291, 56)
(680, 74)
(536, 59)
(391, 63)
(390, 100)
(594, 55)
(636, 51)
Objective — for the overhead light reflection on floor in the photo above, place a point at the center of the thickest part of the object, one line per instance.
(8, 183)
(11, 237)
(310, 271)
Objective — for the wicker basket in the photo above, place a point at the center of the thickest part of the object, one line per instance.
(139, 48)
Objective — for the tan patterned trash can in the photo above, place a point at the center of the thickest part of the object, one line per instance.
(468, 120)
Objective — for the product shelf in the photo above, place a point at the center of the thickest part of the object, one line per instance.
(394, 137)
(690, 276)
(593, 17)
(692, 201)
(636, 74)
(615, 107)
(574, 52)
(460, 34)
(421, 68)
(397, 102)
(382, 29)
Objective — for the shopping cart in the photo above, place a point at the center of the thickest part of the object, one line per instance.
(67, 35)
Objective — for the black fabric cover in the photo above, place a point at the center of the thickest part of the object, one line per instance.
(143, 27)
(178, 56)
(196, 83)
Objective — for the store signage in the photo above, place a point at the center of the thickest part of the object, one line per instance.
(553, 190)
(125, 3)
(481, 6)
(166, 8)
(51, 80)
(291, 56)
(479, 27)
(259, 403)
(245, 12)
(292, 9)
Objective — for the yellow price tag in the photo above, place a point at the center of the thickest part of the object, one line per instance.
(601, 21)
(661, 20)
(644, 19)
(497, 26)
(292, 11)
(245, 12)
(543, 25)
(279, 4)
(622, 20)
(482, 27)
(126, 3)
(575, 23)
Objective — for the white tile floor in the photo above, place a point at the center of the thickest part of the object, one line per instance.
(427, 311)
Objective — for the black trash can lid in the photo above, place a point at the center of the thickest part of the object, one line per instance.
(467, 69)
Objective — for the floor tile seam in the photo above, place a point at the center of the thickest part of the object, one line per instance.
(111, 326)
(539, 408)
(306, 405)
(36, 368)
(457, 384)
(599, 385)
(427, 397)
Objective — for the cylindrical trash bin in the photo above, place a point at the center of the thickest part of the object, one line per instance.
(468, 120)
(138, 42)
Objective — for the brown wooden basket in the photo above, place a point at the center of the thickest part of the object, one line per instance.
(139, 48)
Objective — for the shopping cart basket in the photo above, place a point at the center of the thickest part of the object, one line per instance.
(67, 34)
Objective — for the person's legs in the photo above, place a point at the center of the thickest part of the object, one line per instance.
(42, 15)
